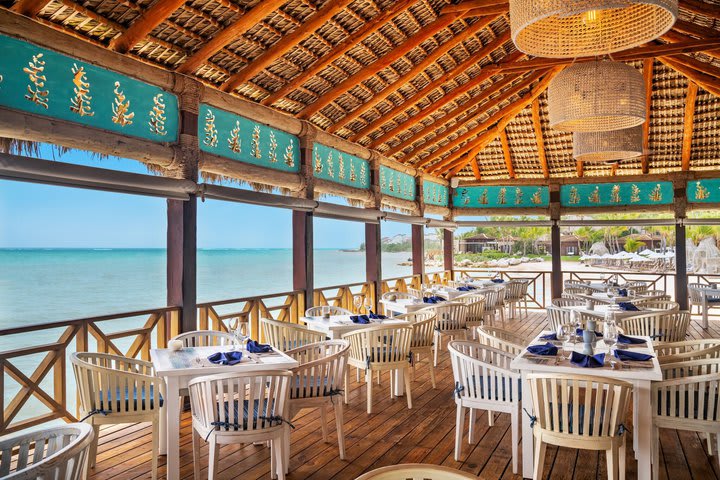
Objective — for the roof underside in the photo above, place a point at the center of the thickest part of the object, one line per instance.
(416, 80)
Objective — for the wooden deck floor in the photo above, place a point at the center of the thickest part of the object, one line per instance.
(395, 435)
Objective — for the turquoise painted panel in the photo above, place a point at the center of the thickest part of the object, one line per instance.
(501, 197)
(43, 82)
(435, 194)
(397, 184)
(339, 167)
(616, 194)
(704, 191)
(238, 138)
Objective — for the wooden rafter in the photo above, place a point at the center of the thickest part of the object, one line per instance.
(471, 133)
(648, 80)
(471, 31)
(450, 96)
(506, 153)
(441, 23)
(474, 5)
(285, 44)
(674, 36)
(688, 122)
(579, 168)
(29, 8)
(339, 50)
(229, 34)
(490, 10)
(537, 127)
(709, 83)
(697, 6)
(144, 24)
(475, 168)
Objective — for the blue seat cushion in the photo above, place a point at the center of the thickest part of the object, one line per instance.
(237, 416)
(708, 405)
(114, 406)
(581, 420)
(500, 394)
(311, 387)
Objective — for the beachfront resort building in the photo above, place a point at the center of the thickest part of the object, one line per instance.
(437, 114)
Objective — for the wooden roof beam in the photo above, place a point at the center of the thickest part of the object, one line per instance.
(229, 34)
(471, 31)
(341, 49)
(579, 168)
(539, 139)
(709, 83)
(475, 168)
(506, 153)
(468, 5)
(285, 44)
(29, 8)
(489, 10)
(688, 123)
(648, 80)
(702, 8)
(427, 32)
(675, 36)
(144, 24)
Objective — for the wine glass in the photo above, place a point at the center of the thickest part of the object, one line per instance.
(358, 302)
(563, 335)
(610, 335)
(368, 306)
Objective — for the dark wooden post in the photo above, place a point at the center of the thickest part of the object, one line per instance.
(681, 278)
(302, 231)
(448, 251)
(417, 234)
(556, 276)
(373, 236)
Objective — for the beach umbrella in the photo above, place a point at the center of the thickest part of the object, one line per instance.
(646, 252)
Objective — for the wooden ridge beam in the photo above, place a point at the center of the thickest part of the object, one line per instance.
(539, 139)
(341, 49)
(675, 36)
(702, 8)
(453, 114)
(475, 168)
(502, 117)
(506, 153)
(516, 89)
(29, 8)
(468, 5)
(452, 95)
(648, 80)
(434, 56)
(709, 83)
(229, 34)
(688, 123)
(285, 44)
(144, 24)
(425, 33)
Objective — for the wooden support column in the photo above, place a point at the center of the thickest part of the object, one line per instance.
(303, 230)
(373, 237)
(681, 278)
(448, 251)
(556, 276)
(418, 249)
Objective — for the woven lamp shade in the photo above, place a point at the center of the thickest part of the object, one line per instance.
(566, 29)
(614, 145)
(596, 96)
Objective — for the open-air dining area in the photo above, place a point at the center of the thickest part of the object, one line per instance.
(359, 239)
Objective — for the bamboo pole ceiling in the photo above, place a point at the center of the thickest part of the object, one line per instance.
(433, 84)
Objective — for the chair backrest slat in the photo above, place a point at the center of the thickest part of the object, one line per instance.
(205, 338)
(660, 326)
(287, 336)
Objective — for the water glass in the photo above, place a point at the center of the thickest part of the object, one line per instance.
(610, 335)
(564, 335)
(325, 312)
(358, 302)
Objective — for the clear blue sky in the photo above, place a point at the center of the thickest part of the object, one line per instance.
(43, 216)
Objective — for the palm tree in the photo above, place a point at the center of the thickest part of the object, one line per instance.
(632, 245)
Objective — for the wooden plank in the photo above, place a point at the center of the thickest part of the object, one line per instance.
(506, 153)
(688, 122)
(648, 80)
(539, 140)
(472, 5)
(29, 8)
(144, 24)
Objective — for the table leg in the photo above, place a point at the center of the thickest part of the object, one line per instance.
(705, 316)
(643, 429)
(527, 436)
(162, 444)
(173, 429)
(399, 382)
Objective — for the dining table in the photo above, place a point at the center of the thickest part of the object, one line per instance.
(601, 309)
(639, 374)
(604, 297)
(401, 306)
(178, 367)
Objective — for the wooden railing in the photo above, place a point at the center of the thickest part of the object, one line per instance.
(35, 367)
(538, 283)
(344, 295)
(655, 281)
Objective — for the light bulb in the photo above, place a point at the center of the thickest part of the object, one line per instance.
(591, 17)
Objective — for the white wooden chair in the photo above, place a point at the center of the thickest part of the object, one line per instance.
(418, 315)
(316, 381)
(576, 286)
(484, 380)
(688, 398)
(415, 292)
(494, 304)
(317, 311)
(231, 408)
(639, 286)
(579, 411)
(476, 310)
(501, 339)
(55, 453)
(696, 294)
(565, 302)
(115, 389)
(286, 336)
(673, 352)
(421, 344)
(379, 349)
(399, 296)
(415, 471)
(515, 296)
(659, 305)
(451, 318)
(660, 326)
(557, 316)
(206, 338)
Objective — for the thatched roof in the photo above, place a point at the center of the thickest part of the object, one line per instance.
(430, 83)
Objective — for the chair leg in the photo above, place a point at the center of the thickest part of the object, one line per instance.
(491, 418)
(276, 450)
(340, 427)
(436, 347)
(459, 427)
(345, 393)
(623, 456)
(377, 377)
(432, 374)
(155, 447)
(709, 443)
(471, 426)
(368, 387)
(539, 458)
(93, 446)
(406, 374)
(655, 453)
(323, 423)
(514, 437)
(213, 460)
(196, 454)
(717, 448)
(357, 375)
(611, 457)
(392, 384)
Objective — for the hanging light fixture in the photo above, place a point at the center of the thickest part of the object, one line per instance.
(596, 96)
(609, 147)
(566, 29)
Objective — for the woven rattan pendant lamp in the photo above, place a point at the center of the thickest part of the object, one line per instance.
(596, 96)
(567, 29)
(609, 146)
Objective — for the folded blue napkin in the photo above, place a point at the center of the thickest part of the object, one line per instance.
(225, 358)
(547, 349)
(628, 307)
(579, 333)
(433, 299)
(361, 319)
(550, 336)
(587, 361)
(466, 288)
(622, 292)
(497, 280)
(255, 347)
(625, 355)
(376, 316)
(629, 340)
